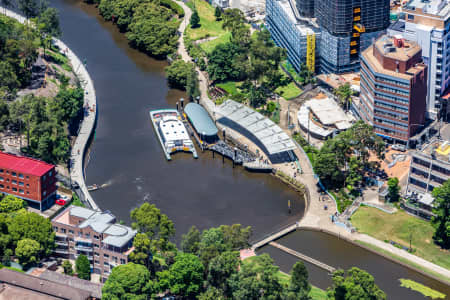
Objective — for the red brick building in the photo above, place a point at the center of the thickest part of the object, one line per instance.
(27, 178)
(393, 88)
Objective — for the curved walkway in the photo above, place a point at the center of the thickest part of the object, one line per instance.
(88, 123)
(315, 216)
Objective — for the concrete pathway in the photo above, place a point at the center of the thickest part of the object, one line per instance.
(88, 123)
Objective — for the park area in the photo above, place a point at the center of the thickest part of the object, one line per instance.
(209, 28)
(400, 227)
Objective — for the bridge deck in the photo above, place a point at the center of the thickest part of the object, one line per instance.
(306, 258)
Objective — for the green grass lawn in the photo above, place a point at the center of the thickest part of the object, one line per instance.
(316, 293)
(398, 227)
(289, 91)
(208, 25)
(229, 87)
(209, 46)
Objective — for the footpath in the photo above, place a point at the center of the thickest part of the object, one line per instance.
(87, 126)
(315, 217)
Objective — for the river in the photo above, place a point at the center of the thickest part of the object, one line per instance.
(127, 155)
(203, 192)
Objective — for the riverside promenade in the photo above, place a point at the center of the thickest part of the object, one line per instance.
(87, 125)
(315, 217)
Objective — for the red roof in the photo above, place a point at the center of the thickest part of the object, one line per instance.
(24, 165)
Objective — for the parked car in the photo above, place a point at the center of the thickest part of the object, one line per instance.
(61, 202)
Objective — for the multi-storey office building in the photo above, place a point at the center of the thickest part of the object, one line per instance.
(29, 179)
(343, 29)
(430, 166)
(393, 88)
(293, 32)
(94, 234)
(428, 23)
(348, 27)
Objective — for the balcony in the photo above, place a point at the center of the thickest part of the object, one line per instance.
(61, 251)
(83, 248)
(61, 243)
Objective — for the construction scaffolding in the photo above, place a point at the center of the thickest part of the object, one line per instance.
(311, 52)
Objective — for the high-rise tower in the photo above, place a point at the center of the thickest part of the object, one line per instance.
(305, 8)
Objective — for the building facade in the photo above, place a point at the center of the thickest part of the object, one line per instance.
(94, 234)
(29, 179)
(393, 88)
(341, 30)
(289, 31)
(428, 23)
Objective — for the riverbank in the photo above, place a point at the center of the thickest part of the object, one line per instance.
(87, 126)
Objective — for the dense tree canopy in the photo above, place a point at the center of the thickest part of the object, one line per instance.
(393, 189)
(441, 221)
(157, 226)
(27, 251)
(184, 277)
(191, 240)
(357, 284)
(130, 281)
(10, 203)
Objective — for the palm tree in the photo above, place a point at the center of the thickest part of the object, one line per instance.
(344, 93)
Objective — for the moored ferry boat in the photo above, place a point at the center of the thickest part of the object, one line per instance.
(171, 132)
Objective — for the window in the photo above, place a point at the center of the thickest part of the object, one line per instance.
(44, 193)
(55, 228)
(14, 181)
(28, 177)
(21, 183)
(80, 234)
(410, 17)
(14, 174)
(43, 178)
(21, 191)
(96, 237)
(2, 186)
(88, 235)
(14, 189)
(96, 262)
(1, 178)
(122, 261)
(1, 170)
(63, 230)
(20, 175)
(96, 246)
(28, 192)
(70, 231)
(105, 255)
(96, 254)
(114, 259)
(105, 263)
(28, 185)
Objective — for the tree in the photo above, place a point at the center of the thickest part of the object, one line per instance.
(184, 277)
(299, 286)
(142, 250)
(212, 243)
(221, 268)
(222, 65)
(192, 85)
(6, 261)
(82, 267)
(195, 20)
(177, 73)
(218, 13)
(68, 268)
(358, 284)
(190, 241)
(130, 281)
(10, 203)
(393, 189)
(236, 236)
(29, 8)
(441, 221)
(29, 225)
(211, 293)
(157, 226)
(49, 22)
(27, 251)
(344, 94)
(257, 280)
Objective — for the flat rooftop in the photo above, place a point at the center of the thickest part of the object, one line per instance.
(440, 8)
(439, 148)
(329, 113)
(24, 165)
(404, 53)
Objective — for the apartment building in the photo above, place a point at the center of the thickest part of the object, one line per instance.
(29, 179)
(393, 88)
(428, 23)
(94, 234)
